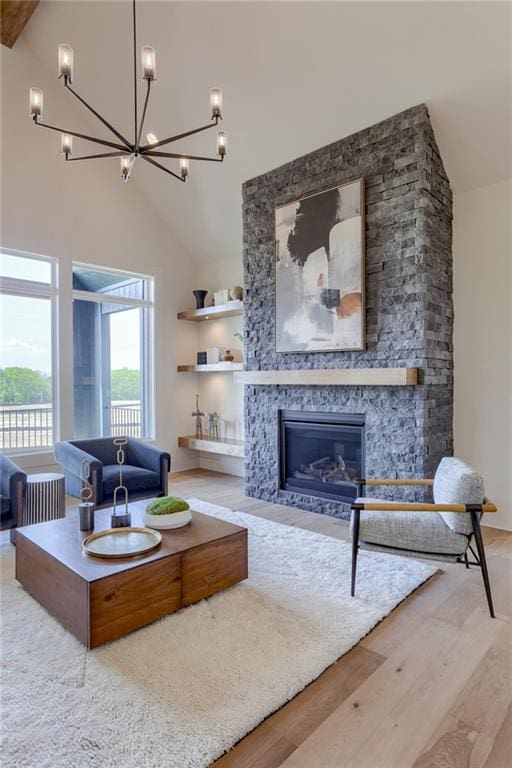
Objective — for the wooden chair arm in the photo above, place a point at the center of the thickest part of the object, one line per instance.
(396, 481)
(381, 506)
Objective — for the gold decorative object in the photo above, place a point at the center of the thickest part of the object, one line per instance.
(121, 542)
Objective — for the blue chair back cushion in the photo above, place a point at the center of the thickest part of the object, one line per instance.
(101, 448)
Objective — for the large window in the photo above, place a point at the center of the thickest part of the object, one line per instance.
(112, 353)
(27, 330)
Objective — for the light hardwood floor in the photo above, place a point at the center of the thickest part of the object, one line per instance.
(430, 687)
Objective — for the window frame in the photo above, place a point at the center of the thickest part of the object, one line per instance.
(147, 334)
(16, 286)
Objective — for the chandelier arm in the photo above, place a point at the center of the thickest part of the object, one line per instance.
(162, 168)
(93, 157)
(82, 136)
(188, 157)
(96, 114)
(143, 115)
(179, 136)
(134, 72)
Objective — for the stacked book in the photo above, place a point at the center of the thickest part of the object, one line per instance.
(221, 297)
(213, 355)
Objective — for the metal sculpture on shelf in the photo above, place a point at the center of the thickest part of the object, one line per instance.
(128, 149)
(198, 414)
(86, 506)
(212, 425)
(122, 519)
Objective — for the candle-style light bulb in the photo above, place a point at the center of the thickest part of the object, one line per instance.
(216, 102)
(184, 167)
(126, 166)
(148, 63)
(36, 103)
(222, 143)
(151, 138)
(66, 144)
(66, 62)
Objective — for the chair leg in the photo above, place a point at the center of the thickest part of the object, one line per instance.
(466, 559)
(355, 546)
(481, 556)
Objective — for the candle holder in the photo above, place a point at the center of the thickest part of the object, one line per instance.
(120, 519)
(86, 507)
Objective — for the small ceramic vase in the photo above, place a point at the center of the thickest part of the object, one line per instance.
(200, 296)
(227, 356)
(236, 293)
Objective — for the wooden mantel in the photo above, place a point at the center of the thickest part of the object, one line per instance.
(375, 377)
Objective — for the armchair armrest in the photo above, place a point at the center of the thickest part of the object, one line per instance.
(372, 506)
(150, 457)
(13, 484)
(395, 481)
(70, 458)
(10, 477)
(147, 455)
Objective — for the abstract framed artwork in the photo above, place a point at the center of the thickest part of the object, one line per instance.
(319, 271)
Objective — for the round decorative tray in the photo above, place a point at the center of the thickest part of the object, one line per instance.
(121, 542)
(166, 522)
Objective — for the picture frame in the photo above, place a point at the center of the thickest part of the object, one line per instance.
(319, 271)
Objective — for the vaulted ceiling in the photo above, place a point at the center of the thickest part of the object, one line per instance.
(295, 76)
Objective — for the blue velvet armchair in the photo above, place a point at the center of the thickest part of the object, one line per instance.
(145, 469)
(13, 483)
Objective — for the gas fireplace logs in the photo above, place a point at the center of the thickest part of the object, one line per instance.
(327, 470)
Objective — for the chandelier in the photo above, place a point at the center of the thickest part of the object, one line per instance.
(128, 150)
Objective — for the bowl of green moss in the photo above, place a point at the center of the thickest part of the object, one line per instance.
(167, 512)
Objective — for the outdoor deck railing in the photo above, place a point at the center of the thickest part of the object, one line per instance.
(31, 426)
(125, 420)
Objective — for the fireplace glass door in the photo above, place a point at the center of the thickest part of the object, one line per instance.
(322, 454)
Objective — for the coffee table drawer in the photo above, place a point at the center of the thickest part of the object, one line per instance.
(214, 566)
(131, 599)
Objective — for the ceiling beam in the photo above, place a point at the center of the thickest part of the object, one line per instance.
(14, 14)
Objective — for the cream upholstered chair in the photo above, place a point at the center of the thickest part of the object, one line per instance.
(442, 531)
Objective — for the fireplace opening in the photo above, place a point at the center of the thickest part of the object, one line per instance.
(321, 454)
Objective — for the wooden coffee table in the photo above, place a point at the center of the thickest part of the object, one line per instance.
(101, 600)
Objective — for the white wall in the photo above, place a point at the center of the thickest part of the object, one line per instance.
(218, 392)
(483, 339)
(82, 211)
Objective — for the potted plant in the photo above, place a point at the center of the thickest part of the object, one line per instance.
(167, 512)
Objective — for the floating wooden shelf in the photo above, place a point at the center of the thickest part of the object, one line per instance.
(224, 446)
(375, 377)
(210, 368)
(230, 309)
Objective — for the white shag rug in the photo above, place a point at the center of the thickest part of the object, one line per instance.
(182, 691)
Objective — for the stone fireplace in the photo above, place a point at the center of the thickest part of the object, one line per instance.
(409, 317)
